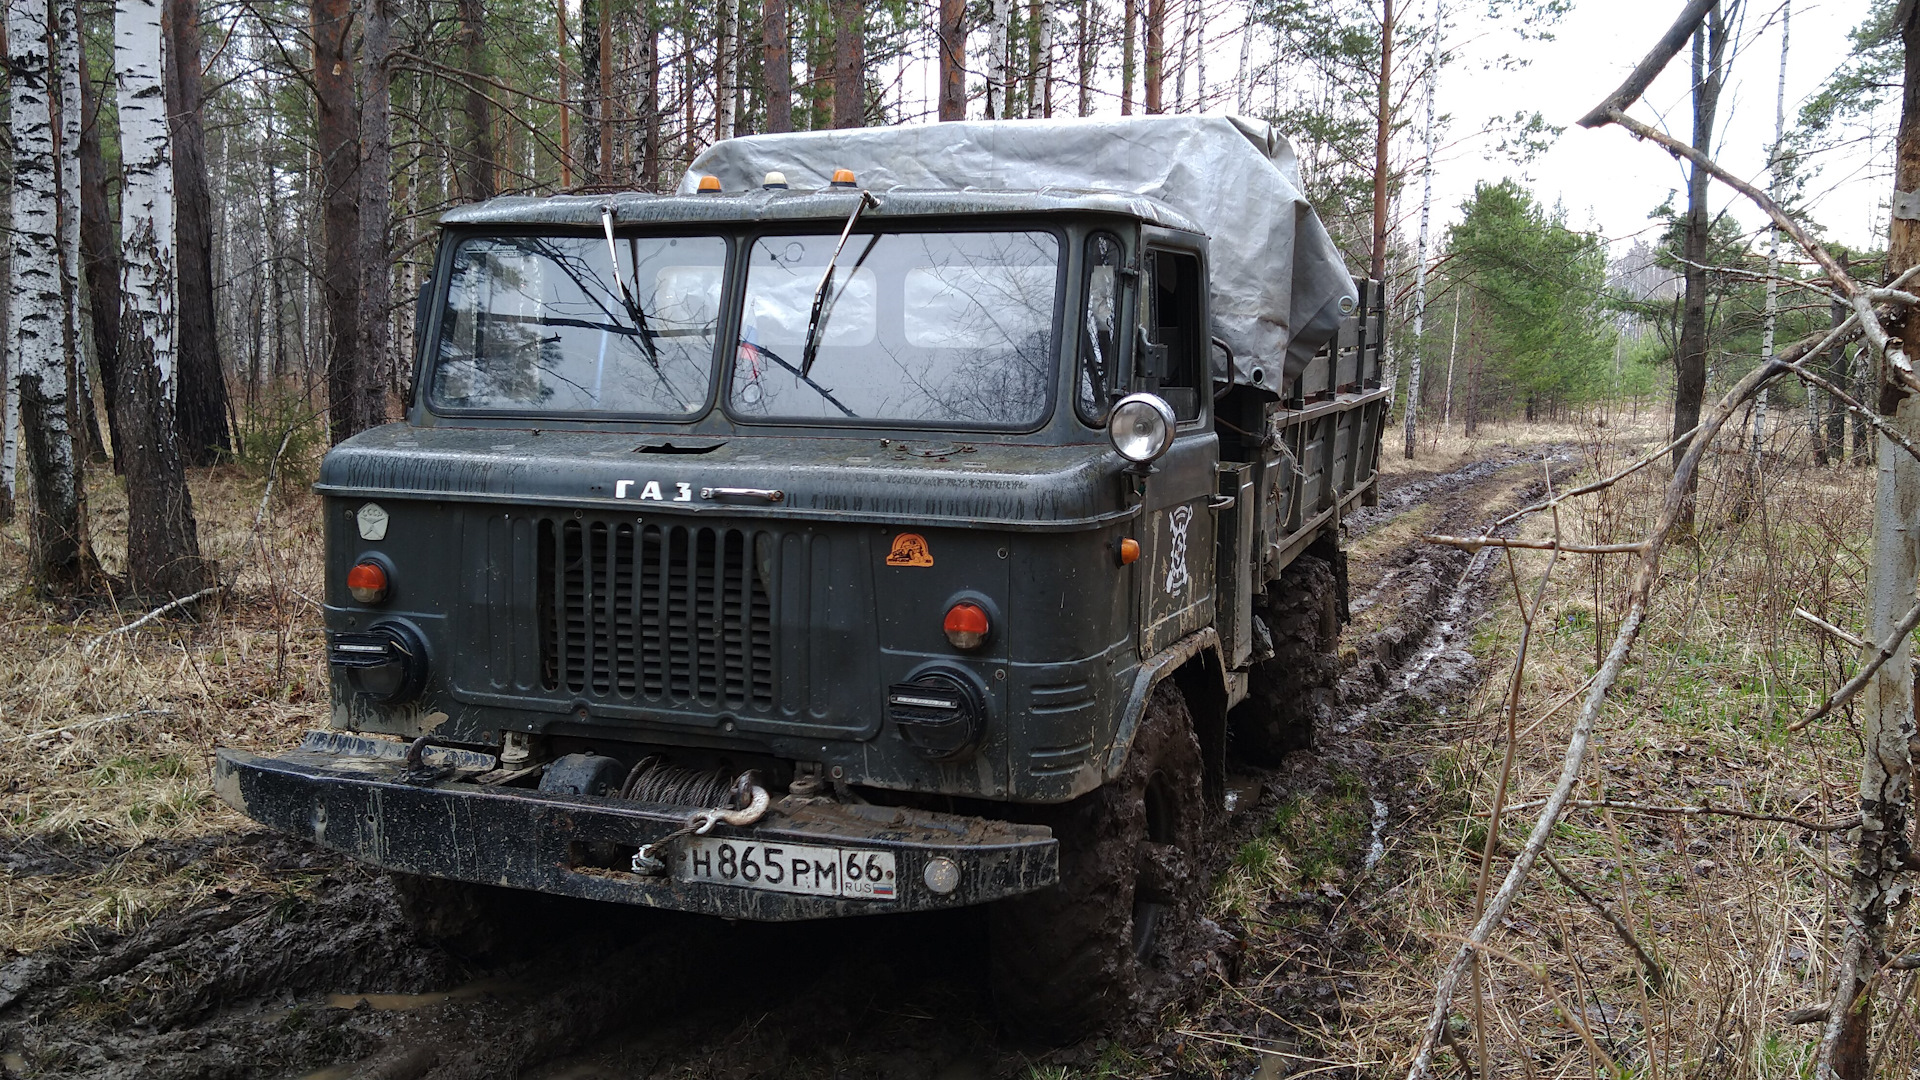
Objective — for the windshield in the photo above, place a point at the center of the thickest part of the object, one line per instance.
(537, 324)
(943, 328)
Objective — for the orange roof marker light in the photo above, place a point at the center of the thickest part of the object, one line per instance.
(709, 185)
(843, 178)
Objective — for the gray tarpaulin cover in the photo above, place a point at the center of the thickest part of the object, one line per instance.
(1278, 280)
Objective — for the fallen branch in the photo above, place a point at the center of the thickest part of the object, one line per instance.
(1803, 613)
(82, 725)
(1475, 543)
(1883, 652)
(163, 609)
(1703, 810)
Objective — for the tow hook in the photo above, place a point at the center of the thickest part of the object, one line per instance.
(745, 791)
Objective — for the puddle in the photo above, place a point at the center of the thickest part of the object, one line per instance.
(1378, 849)
(332, 1072)
(15, 1064)
(410, 1002)
(1243, 793)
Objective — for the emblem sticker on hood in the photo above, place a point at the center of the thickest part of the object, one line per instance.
(910, 549)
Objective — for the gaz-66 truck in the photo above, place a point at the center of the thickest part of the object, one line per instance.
(888, 520)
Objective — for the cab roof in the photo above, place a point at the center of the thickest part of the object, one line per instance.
(829, 204)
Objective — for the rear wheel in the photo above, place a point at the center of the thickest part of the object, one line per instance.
(1074, 957)
(1291, 694)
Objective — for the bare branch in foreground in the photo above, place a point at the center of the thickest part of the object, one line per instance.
(1857, 297)
(1580, 739)
(1883, 652)
(1656, 974)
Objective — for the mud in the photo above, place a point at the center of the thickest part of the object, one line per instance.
(315, 974)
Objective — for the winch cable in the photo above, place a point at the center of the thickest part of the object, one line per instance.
(741, 802)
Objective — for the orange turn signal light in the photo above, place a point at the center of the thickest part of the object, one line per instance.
(1128, 549)
(709, 185)
(367, 582)
(967, 625)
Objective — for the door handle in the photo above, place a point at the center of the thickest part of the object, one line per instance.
(1222, 502)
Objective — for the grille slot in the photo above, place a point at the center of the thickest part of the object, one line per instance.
(660, 613)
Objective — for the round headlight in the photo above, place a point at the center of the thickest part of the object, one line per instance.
(1141, 427)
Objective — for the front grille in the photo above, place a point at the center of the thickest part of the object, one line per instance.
(659, 613)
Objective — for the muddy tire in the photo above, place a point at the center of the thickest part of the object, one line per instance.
(1078, 956)
(471, 921)
(1292, 694)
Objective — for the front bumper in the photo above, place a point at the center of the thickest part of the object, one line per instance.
(348, 794)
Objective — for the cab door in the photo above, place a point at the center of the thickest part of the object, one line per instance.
(1177, 592)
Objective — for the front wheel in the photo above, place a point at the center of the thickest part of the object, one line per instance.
(1075, 957)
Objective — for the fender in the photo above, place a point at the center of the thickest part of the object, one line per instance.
(1162, 665)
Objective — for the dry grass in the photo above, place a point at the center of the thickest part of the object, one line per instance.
(108, 811)
(1742, 915)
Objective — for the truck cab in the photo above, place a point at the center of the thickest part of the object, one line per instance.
(787, 552)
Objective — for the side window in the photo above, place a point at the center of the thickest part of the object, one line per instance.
(1175, 307)
(1099, 330)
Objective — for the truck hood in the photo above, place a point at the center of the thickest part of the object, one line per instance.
(954, 481)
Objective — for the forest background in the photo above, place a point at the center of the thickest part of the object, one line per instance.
(309, 149)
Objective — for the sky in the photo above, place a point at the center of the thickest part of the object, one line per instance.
(1604, 177)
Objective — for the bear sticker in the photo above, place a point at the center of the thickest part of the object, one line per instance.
(910, 549)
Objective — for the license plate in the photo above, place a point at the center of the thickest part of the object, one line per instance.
(853, 873)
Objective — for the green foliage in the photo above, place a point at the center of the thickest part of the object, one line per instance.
(1536, 292)
(280, 414)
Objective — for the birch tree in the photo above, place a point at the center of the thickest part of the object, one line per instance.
(61, 558)
(1420, 257)
(163, 550)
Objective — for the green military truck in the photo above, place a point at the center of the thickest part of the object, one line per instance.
(888, 520)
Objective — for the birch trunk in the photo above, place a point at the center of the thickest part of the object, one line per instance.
(1240, 74)
(1770, 308)
(1131, 17)
(1084, 53)
(1882, 849)
(998, 70)
(86, 431)
(61, 559)
(1420, 256)
(163, 550)
(9, 371)
(723, 68)
(1383, 130)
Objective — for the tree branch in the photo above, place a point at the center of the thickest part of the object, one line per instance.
(1652, 64)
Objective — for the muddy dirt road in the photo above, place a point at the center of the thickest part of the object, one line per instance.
(315, 975)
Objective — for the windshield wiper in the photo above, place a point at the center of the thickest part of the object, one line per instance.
(812, 345)
(634, 310)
